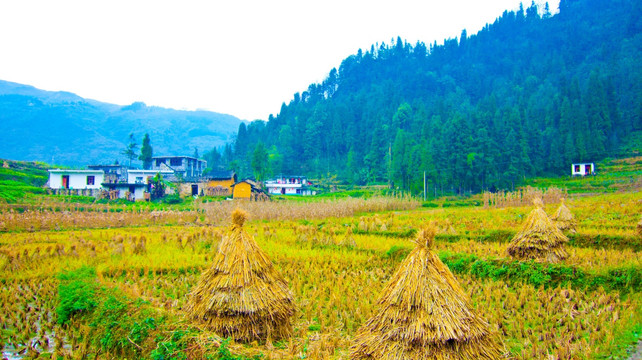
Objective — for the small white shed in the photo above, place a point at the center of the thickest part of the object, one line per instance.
(583, 169)
(76, 179)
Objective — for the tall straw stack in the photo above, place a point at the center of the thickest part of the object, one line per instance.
(425, 314)
(539, 239)
(242, 295)
(564, 219)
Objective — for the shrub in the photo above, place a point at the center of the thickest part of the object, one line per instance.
(429, 204)
(172, 199)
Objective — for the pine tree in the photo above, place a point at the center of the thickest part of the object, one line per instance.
(260, 163)
(146, 153)
(130, 150)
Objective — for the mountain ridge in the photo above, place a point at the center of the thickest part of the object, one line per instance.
(64, 128)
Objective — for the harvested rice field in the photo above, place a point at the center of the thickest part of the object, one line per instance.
(103, 282)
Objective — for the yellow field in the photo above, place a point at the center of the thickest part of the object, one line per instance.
(587, 308)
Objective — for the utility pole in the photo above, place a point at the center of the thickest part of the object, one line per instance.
(424, 186)
(389, 165)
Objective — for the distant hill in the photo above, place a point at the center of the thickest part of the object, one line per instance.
(66, 129)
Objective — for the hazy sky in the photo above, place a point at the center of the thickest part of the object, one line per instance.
(243, 58)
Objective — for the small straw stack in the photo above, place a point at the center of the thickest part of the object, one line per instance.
(425, 314)
(539, 239)
(242, 295)
(564, 219)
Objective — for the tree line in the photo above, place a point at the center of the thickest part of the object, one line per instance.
(525, 96)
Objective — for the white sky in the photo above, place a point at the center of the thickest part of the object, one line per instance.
(243, 58)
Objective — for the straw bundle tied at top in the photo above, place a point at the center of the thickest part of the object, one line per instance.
(242, 295)
(425, 314)
(564, 219)
(539, 239)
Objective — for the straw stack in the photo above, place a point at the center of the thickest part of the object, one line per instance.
(564, 219)
(242, 295)
(348, 239)
(539, 239)
(425, 314)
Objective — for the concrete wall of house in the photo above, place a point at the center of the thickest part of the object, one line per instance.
(141, 176)
(76, 180)
(138, 193)
(188, 167)
(186, 188)
(242, 191)
(275, 190)
(76, 192)
(224, 183)
(582, 169)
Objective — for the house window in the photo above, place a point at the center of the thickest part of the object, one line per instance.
(139, 179)
(159, 162)
(175, 161)
(577, 168)
(90, 180)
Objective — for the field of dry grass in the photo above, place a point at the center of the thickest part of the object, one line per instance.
(112, 284)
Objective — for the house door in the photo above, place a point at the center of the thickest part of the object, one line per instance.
(194, 189)
(587, 169)
(65, 181)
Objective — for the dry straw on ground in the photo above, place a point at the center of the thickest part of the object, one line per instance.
(242, 295)
(425, 314)
(564, 219)
(539, 239)
(522, 197)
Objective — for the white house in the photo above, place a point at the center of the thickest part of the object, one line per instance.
(75, 179)
(189, 168)
(137, 183)
(289, 185)
(144, 176)
(582, 169)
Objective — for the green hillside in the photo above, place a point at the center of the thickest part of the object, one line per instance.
(526, 96)
(19, 179)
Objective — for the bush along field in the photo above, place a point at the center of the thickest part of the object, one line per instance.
(108, 281)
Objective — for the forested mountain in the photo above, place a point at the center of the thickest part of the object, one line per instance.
(65, 129)
(526, 95)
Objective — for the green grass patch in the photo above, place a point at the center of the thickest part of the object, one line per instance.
(76, 293)
(624, 280)
(119, 325)
(598, 241)
(21, 179)
(398, 234)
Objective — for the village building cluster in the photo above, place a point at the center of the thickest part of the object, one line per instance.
(185, 172)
